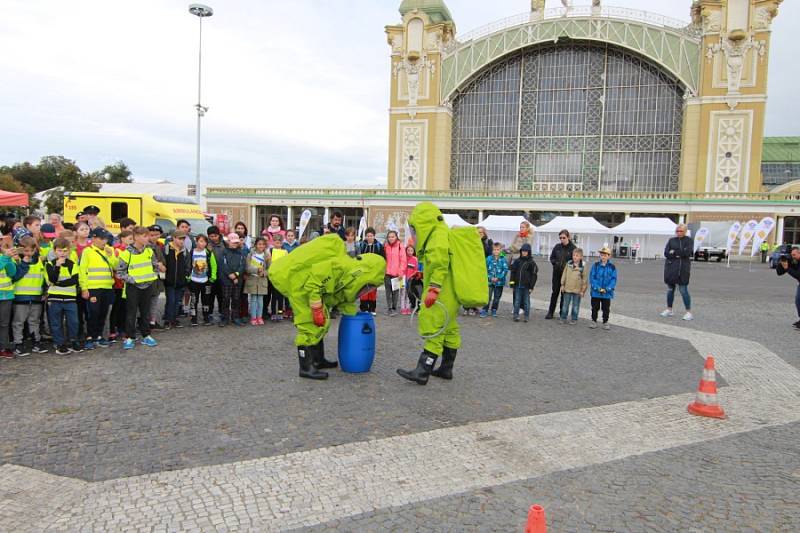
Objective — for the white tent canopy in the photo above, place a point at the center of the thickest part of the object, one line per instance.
(649, 235)
(586, 232)
(502, 228)
(454, 220)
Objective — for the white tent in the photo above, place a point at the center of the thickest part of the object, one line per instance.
(502, 228)
(586, 232)
(454, 220)
(650, 234)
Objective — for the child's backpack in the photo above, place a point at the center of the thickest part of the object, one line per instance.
(469, 274)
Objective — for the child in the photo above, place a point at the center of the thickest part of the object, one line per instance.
(28, 289)
(603, 280)
(411, 283)
(8, 268)
(232, 271)
(157, 246)
(97, 267)
(291, 243)
(31, 227)
(118, 310)
(574, 281)
(177, 271)
(350, 242)
(395, 268)
(62, 274)
(256, 286)
(137, 267)
(202, 279)
(82, 240)
(277, 300)
(524, 273)
(48, 233)
(369, 301)
(497, 269)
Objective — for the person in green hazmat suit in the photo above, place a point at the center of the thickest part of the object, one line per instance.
(437, 317)
(317, 278)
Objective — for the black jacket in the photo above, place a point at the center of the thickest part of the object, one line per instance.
(366, 248)
(178, 267)
(487, 246)
(559, 257)
(53, 272)
(524, 273)
(793, 270)
(678, 265)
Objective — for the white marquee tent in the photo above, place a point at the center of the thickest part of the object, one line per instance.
(454, 220)
(651, 234)
(502, 228)
(586, 232)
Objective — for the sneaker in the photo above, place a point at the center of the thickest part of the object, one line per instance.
(516, 319)
(102, 343)
(260, 321)
(593, 325)
(494, 313)
(573, 322)
(166, 326)
(112, 338)
(666, 313)
(374, 313)
(129, 344)
(194, 322)
(548, 316)
(280, 317)
(606, 326)
(688, 316)
(6, 354)
(76, 347)
(63, 350)
(526, 320)
(20, 351)
(484, 314)
(90, 345)
(156, 326)
(222, 323)
(176, 324)
(37, 348)
(562, 321)
(149, 341)
(796, 325)
(207, 322)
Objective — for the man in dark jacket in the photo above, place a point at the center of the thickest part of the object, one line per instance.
(677, 270)
(335, 225)
(562, 252)
(791, 266)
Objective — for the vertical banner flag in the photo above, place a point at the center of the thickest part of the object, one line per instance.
(362, 228)
(407, 233)
(733, 233)
(699, 238)
(761, 233)
(325, 218)
(392, 225)
(304, 218)
(748, 231)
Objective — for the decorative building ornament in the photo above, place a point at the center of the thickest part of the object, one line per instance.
(712, 20)
(730, 143)
(764, 16)
(413, 70)
(734, 51)
(411, 160)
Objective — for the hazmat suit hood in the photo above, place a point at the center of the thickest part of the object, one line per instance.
(424, 219)
(367, 269)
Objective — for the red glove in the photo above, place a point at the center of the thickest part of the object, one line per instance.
(318, 314)
(432, 296)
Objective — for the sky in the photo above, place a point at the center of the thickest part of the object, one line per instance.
(297, 90)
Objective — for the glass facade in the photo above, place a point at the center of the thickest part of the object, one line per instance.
(775, 174)
(575, 116)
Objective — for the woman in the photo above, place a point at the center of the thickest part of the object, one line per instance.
(561, 254)
(486, 241)
(678, 269)
(275, 226)
(396, 264)
(525, 236)
(247, 241)
(57, 221)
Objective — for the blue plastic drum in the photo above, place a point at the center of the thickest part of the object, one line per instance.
(356, 343)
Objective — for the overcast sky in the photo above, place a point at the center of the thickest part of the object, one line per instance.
(298, 90)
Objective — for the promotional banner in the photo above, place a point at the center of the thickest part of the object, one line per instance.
(733, 233)
(362, 228)
(304, 218)
(325, 218)
(699, 238)
(748, 231)
(407, 233)
(761, 233)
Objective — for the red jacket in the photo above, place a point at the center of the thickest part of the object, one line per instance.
(412, 267)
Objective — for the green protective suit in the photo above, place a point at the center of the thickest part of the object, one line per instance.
(322, 271)
(433, 249)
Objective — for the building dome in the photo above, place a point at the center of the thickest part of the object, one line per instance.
(435, 9)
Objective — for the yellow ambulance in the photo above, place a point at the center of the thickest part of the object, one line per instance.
(145, 209)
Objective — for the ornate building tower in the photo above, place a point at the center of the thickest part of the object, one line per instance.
(419, 125)
(724, 121)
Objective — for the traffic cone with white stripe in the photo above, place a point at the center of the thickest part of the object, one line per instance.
(705, 403)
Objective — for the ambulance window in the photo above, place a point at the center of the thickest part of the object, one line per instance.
(119, 210)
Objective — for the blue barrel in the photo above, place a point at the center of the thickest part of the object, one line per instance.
(356, 342)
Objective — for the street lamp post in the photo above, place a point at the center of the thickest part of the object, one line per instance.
(200, 11)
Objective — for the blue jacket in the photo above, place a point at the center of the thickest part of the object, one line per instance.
(290, 247)
(497, 268)
(603, 277)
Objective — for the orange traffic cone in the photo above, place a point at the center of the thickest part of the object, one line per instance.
(705, 403)
(536, 521)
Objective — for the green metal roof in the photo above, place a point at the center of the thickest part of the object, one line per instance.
(435, 9)
(781, 150)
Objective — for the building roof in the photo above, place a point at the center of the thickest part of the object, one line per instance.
(435, 9)
(781, 150)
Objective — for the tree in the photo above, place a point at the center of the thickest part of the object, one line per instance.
(72, 180)
(11, 184)
(116, 173)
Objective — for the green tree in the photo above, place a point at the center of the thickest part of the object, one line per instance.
(9, 183)
(116, 173)
(72, 180)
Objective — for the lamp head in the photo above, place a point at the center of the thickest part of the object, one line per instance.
(200, 10)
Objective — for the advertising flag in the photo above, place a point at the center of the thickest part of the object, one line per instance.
(748, 231)
(407, 233)
(304, 219)
(761, 233)
(362, 228)
(699, 238)
(733, 233)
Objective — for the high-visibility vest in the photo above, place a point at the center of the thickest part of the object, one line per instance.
(96, 269)
(5, 281)
(278, 253)
(64, 274)
(140, 266)
(32, 283)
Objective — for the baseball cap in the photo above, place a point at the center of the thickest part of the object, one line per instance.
(179, 234)
(233, 238)
(155, 227)
(100, 233)
(48, 230)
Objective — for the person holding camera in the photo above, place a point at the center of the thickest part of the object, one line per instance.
(791, 265)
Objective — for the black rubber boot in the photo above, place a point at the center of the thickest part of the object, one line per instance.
(323, 363)
(306, 355)
(423, 370)
(445, 370)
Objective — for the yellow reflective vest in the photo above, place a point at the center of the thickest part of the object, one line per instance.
(140, 266)
(64, 274)
(96, 269)
(32, 283)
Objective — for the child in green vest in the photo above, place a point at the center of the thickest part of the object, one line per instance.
(28, 290)
(8, 268)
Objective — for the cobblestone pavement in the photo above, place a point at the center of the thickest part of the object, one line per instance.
(590, 423)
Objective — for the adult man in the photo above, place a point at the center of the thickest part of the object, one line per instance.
(318, 277)
(791, 265)
(335, 225)
(678, 269)
(91, 213)
(562, 252)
